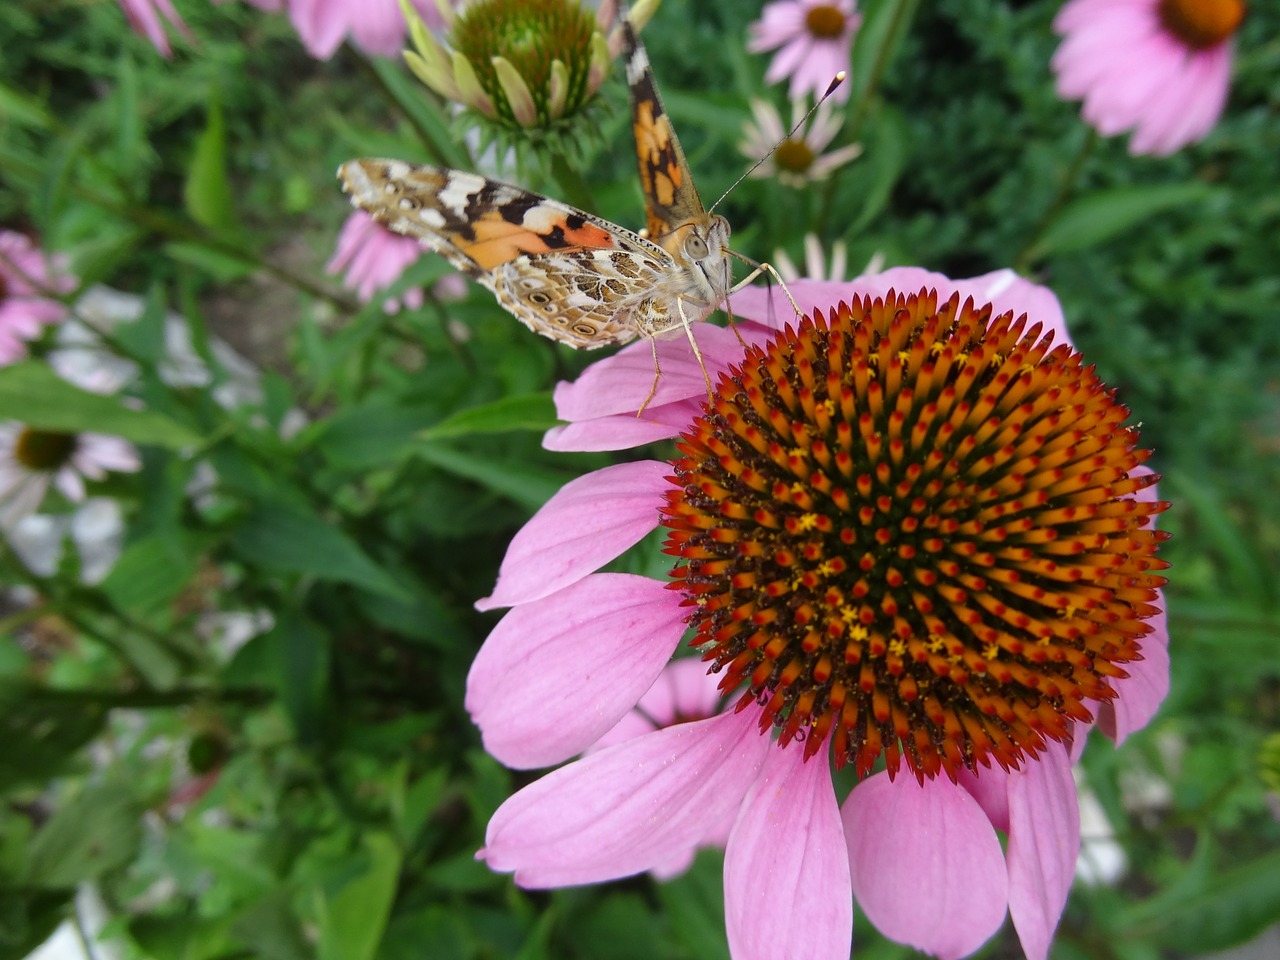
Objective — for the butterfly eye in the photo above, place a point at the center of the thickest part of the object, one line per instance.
(695, 247)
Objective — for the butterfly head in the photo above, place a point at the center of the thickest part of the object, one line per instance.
(701, 249)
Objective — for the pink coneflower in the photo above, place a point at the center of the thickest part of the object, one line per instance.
(375, 26)
(907, 531)
(374, 258)
(1160, 68)
(816, 40)
(29, 283)
(796, 160)
(144, 16)
(32, 460)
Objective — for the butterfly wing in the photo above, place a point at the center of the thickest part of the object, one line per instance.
(561, 272)
(670, 198)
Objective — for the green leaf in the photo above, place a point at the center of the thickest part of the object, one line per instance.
(149, 573)
(1097, 217)
(208, 190)
(370, 436)
(1228, 908)
(33, 394)
(98, 829)
(289, 537)
(529, 486)
(695, 902)
(303, 671)
(41, 733)
(353, 919)
(529, 412)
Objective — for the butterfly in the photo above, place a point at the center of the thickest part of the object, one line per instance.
(564, 273)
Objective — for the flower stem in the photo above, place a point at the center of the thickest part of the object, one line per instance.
(573, 188)
(1023, 260)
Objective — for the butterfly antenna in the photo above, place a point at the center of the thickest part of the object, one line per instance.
(831, 88)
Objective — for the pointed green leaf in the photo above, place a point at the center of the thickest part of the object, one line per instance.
(33, 394)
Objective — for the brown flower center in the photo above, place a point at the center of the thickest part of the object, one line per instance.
(910, 530)
(793, 155)
(532, 35)
(825, 21)
(44, 450)
(1202, 24)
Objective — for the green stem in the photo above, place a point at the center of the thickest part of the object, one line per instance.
(148, 699)
(573, 188)
(903, 10)
(902, 13)
(1024, 258)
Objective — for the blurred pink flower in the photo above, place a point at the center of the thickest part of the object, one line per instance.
(375, 26)
(374, 258)
(816, 40)
(921, 854)
(144, 16)
(1160, 68)
(29, 284)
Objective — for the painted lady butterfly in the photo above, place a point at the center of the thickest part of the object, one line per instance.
(562, 272)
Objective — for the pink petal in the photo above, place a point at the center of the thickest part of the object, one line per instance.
(619, 384)
(990, 787)
(622, 431)
(590, 521)
(786, 873)
(557, 673)
(1044, 843)
(627, 808)
(683, 691)
(926, 864)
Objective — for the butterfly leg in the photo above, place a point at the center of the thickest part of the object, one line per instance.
(657, 372)
(688, 332)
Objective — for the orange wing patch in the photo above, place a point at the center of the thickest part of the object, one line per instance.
(497, 240)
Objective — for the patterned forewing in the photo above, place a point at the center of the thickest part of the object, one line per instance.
(670, 198)
(475, 223)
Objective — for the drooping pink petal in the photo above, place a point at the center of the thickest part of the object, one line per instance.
(786, 871)
(629, 807)
(590, 521)
(925, 863)
(1044, 844)
(622, 431)
(557, 673)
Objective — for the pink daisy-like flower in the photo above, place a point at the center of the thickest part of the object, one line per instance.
(144, 17)
(375, 26)
(905, 532)
(374, 258)
(33, 460)
(29, 284)
(816, 40)
(1160, 68)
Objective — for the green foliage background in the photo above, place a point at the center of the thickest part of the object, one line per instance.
(353, 791)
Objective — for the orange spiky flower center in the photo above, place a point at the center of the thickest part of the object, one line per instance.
(910, 530)
(1202, 24)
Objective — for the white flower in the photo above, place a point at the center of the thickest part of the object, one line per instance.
(795, 160)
